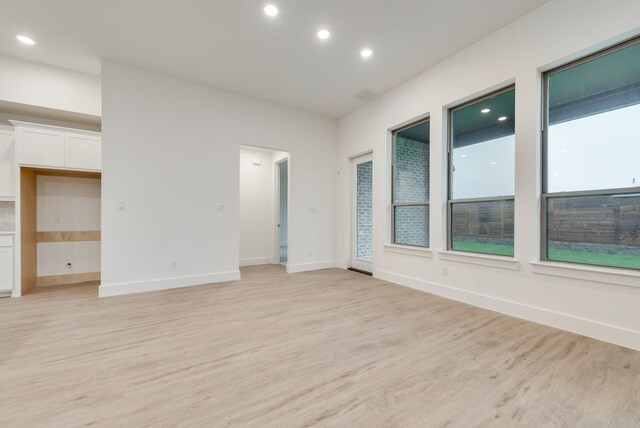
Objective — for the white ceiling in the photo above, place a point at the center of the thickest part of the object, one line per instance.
(233, 45)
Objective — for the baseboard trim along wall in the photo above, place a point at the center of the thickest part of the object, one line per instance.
(256, 261)
(304, 267)
(72, 278)
(107, 290)
(585, 327)
(341, 265)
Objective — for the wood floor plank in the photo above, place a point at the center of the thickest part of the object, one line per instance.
(325, 348)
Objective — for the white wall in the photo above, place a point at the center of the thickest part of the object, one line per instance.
(40, 85)
(170, 153)
(257, 207)
(68, 204)
(595, 304)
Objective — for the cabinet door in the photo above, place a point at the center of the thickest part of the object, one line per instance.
(83, 152)
(40, 147)
(6, 268)
(7, 164)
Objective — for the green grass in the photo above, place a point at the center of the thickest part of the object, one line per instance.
(602, 259)
(560, 255)
(483, 247)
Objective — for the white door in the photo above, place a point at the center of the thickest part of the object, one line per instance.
(362, 214)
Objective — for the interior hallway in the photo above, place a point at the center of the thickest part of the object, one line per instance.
(326, 348)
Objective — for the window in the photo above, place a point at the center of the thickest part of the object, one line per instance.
(591, 177)
(482, 175)
(410, 185)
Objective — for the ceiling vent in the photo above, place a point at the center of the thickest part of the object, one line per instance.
(367, 96)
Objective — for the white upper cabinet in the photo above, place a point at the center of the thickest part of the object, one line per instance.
(40, 147)
(7, 163)
(52, 146)
(83, 152)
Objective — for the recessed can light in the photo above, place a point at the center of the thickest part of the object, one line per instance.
(502, 118)
(366, 53)
(271, 10)
(324, 34)
(485, 110)
(464, 156)
(26, 40)
(494, 162)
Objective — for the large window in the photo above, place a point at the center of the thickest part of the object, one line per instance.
(410, 187)
(482, 175)
(591, 179)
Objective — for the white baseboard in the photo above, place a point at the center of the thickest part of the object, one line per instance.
(304, 267)
(107, 290)
(585, 327)
(340, 264)
(256, 261)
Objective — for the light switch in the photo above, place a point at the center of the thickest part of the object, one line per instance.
(122, 206)
(221, 208)
(313, 210)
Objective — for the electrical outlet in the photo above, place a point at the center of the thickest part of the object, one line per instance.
(445, 271)
(309, 253)
(122, 206)
(174, 265)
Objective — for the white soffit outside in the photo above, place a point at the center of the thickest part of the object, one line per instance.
(232, 45)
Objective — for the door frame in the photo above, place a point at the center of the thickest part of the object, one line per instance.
(354, 262)
(278, 164)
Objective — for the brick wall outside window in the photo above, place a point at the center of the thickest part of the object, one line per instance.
(365, 211)
(411, 184)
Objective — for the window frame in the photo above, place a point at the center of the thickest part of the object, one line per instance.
(545, 195)
(450, 200)
(427, 203)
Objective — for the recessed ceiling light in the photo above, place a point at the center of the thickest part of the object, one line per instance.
(366, 53)
(485, 110)
(271, 10)
(494, 162)
(502, 118)
(324, 34)
(564, 151)
(464, 156)
(26, 40)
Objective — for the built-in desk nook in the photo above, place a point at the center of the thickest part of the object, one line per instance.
(57, 206)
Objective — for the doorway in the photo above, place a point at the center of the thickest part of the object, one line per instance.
(282, 209)
(362, 214)
(263, 210)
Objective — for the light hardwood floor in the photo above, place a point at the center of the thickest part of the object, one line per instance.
(326, 348)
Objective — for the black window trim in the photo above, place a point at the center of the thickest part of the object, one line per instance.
(545, 195)
(394, 132)
(451, 201)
